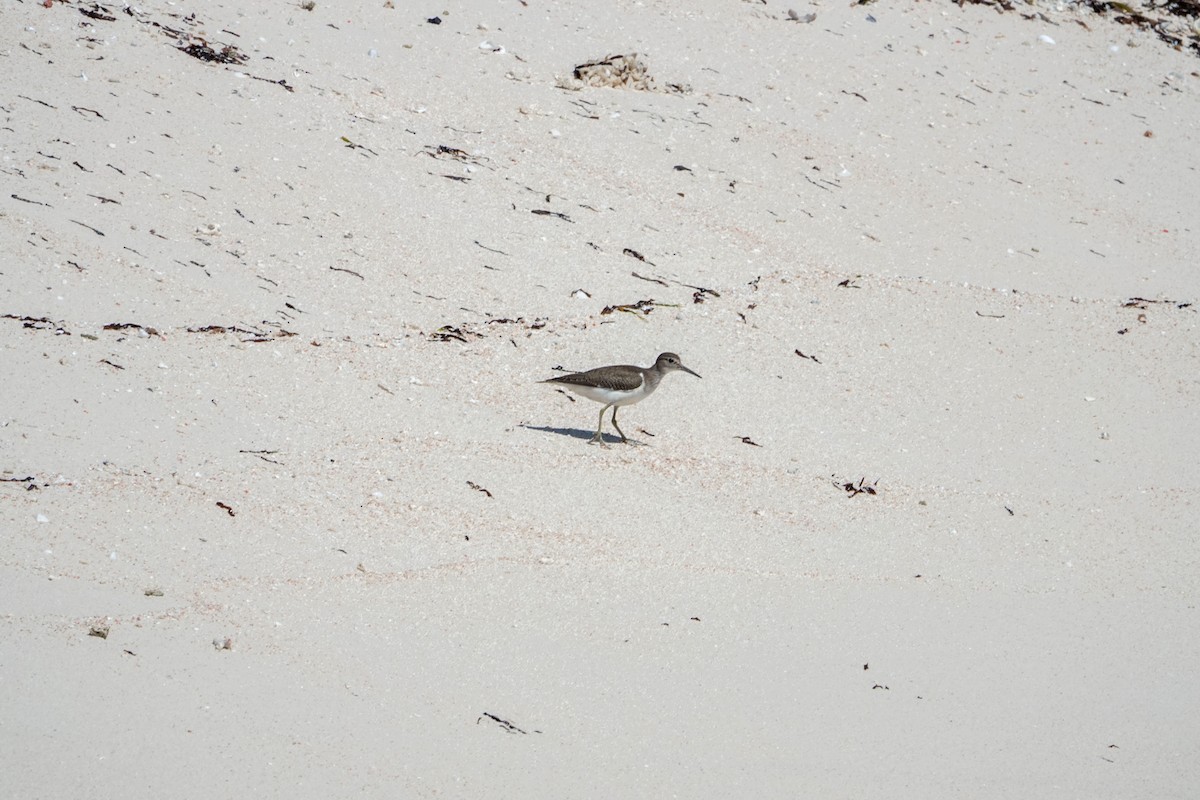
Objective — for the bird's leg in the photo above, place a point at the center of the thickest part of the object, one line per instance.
(599, 437)
(623, 439)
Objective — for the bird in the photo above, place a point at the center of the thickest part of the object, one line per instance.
(619, 385)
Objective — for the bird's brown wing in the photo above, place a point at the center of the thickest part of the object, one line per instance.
(619, 378)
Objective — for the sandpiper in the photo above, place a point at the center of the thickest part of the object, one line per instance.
(621, 385)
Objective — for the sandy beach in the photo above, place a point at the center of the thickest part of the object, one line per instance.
(287, 513)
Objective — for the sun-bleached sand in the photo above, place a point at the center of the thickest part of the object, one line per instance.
(286, 511)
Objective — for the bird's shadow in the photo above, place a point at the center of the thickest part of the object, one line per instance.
(578, 433)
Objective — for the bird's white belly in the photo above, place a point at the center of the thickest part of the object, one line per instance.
(611, 396)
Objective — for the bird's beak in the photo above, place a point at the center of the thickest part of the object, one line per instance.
(685, 369)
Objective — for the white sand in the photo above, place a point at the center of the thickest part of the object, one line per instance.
(1013, 613)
